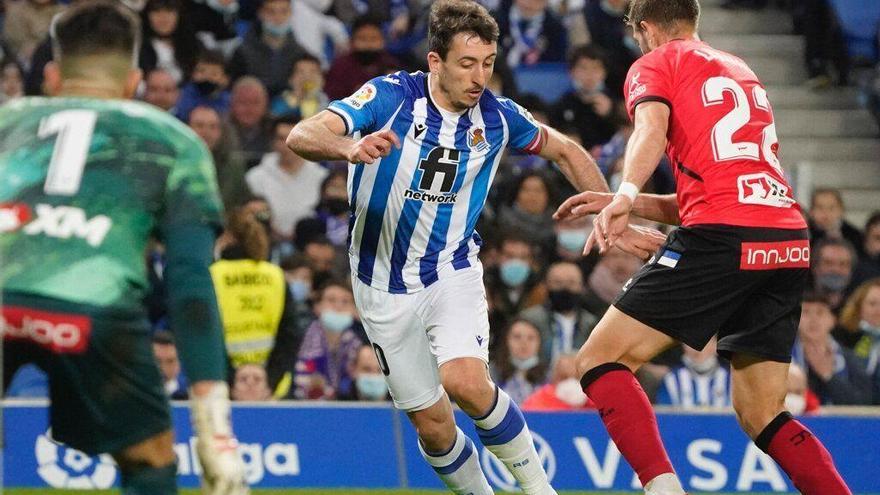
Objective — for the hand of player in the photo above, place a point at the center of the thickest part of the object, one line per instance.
(373, 146)
(641, 241)
(609, 224)
(216, 446)
(583, 204)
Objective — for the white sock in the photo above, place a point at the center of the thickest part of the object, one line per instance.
(504, 432)
(459, 467)
(664, 484)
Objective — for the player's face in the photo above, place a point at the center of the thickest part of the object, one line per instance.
(466, 71)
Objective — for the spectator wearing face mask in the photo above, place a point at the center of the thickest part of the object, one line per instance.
(175, 382)
(563, 323)
(332, 213)
(208, 87)
(518, 369)
(832, 268)
(290, 183)
(589, 107)
(859, 328)
(836, 375)
(700, 381)
(367, 381)
(206, 122)
(515, 282)
(799, 399)
(250, 383)
(827, 219)
(366, 60)
(330, 344)
(300, 275)
(869, 264)
(563, 393)
(259, 323)
(571, 237)
(269, 50)
(304, 95)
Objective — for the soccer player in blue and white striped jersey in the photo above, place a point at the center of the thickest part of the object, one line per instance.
(424, 149)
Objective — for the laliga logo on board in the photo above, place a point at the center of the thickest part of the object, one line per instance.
(61, 466)
(498, 474)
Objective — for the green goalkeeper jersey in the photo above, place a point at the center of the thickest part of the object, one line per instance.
(84, 184)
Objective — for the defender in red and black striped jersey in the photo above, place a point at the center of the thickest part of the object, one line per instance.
(736, 268)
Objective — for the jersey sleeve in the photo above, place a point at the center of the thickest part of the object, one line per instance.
(191, 191)
(370, 107)
(525, 133)
(649, 79)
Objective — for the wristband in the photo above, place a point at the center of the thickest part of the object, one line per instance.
(629, 190)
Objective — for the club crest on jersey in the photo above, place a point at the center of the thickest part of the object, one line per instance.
(636, 88)
(476, 140)
(362, 96)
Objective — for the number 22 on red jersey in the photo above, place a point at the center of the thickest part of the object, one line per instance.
(722, 137)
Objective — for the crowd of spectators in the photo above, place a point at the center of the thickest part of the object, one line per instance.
(242, 73)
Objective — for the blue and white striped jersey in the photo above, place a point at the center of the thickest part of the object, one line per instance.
(685, 388)
(414, 212)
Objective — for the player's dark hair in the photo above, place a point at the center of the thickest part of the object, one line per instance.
(450, 17)
(668, 14)
(588, 52)
(96, 28)
(826, 190)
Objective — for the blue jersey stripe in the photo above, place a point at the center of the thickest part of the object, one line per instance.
(379, 197)
(437, 242)
(480, 189)
(409, 215)
(353, 194)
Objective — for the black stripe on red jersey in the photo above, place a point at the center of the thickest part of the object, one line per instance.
(690, 173)
(646, 99)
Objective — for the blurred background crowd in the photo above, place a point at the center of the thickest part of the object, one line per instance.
(242, 73)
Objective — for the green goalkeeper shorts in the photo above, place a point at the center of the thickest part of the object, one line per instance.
(105, 387)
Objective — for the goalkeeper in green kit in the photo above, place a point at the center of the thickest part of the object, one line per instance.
(86, 179)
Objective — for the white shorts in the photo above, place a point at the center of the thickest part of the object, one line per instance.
(414, 334)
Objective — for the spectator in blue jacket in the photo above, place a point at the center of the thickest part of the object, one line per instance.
(529, 33)
(208, 88)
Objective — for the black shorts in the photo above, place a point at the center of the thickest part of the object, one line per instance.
(743, 284)
(104, 384)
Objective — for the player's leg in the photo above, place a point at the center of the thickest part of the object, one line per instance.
(617, 347)
(401, 344)
(759, 388)
(149, 467)
(456, 314)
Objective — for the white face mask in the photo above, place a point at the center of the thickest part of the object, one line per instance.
(570, 392)
(869, 329)
(795, 404)
(707, 366)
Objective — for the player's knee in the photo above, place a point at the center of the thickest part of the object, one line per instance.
(435, 426)
(755, 414)
(469, 393)
(154, 452)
